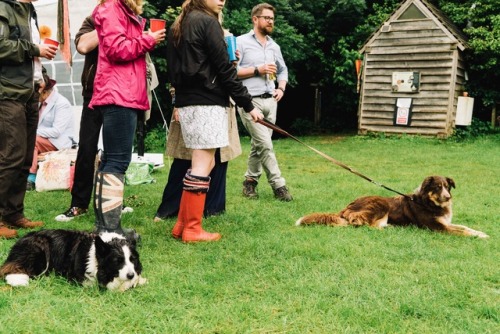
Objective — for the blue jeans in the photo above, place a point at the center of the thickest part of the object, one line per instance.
(118, 132)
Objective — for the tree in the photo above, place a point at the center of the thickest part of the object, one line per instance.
(316, 41)
(480, 20)
(320, 41)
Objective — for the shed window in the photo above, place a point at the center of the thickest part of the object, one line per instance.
(412, 13)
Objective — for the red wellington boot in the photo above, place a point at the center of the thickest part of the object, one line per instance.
(192, 204)
(181, 218)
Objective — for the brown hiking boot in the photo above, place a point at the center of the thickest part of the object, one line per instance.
(249, 191)
(6, 232)
(283, 194)
(23, 223)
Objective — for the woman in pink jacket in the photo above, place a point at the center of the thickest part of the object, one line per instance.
(119, 94)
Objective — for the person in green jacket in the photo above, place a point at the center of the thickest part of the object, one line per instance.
(20, 82)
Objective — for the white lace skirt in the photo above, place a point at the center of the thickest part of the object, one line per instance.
(204, 127)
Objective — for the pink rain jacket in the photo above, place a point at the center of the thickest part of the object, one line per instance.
(121, 66)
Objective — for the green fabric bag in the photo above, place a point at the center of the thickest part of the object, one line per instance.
(139, 173)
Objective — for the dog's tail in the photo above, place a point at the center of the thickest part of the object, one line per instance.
(332, 219)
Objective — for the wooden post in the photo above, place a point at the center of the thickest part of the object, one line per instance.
(358, 65)
(494, 115)
(317, 102)
(317, 105)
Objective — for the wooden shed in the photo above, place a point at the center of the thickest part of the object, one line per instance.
(413, 73)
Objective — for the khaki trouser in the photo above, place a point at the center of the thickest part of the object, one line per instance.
(262, 154)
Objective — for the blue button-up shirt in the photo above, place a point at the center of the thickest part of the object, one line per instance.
(253, 54)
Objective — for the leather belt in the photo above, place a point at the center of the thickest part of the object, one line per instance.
(264, 96)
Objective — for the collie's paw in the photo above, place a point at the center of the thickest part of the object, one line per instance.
(17, 279)
(299, 221)
(142, 281)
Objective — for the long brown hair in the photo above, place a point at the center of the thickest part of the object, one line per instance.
(187, 7)
(134, 5)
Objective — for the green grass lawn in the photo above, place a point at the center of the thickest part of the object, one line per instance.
(268, 276)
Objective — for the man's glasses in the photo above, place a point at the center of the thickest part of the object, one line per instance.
(267, 18)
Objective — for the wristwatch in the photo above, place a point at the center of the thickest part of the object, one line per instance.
(281, 89)
(256, 72)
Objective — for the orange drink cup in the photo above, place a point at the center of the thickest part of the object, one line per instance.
(50, 41)
(157, 24)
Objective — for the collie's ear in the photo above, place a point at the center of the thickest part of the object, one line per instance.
(425, 184)
(101, 248)
(451, 183)
(132, 242)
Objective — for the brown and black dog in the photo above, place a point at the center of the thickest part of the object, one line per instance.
(428, 207)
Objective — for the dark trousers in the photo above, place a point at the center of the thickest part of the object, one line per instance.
(215, 202)
(18, 124)
(90, 127)
(118, 133)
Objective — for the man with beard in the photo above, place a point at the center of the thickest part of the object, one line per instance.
(261, 66)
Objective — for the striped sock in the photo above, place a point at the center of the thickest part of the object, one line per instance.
(195, 183)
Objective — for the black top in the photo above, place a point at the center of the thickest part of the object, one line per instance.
(90, 63)
(199, 66)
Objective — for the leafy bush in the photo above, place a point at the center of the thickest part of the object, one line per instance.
(302, 127)
(156, 139)
(477, 129)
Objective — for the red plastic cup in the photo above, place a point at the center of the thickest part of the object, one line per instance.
(50, 41)
(157, 24)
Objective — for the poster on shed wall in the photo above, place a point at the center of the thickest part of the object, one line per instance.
(405, 82)
(403, 111)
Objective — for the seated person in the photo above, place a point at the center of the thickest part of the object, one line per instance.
(55, 125)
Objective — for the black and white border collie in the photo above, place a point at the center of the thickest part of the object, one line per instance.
(109, 259)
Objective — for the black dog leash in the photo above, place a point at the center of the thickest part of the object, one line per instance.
(276, 128)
